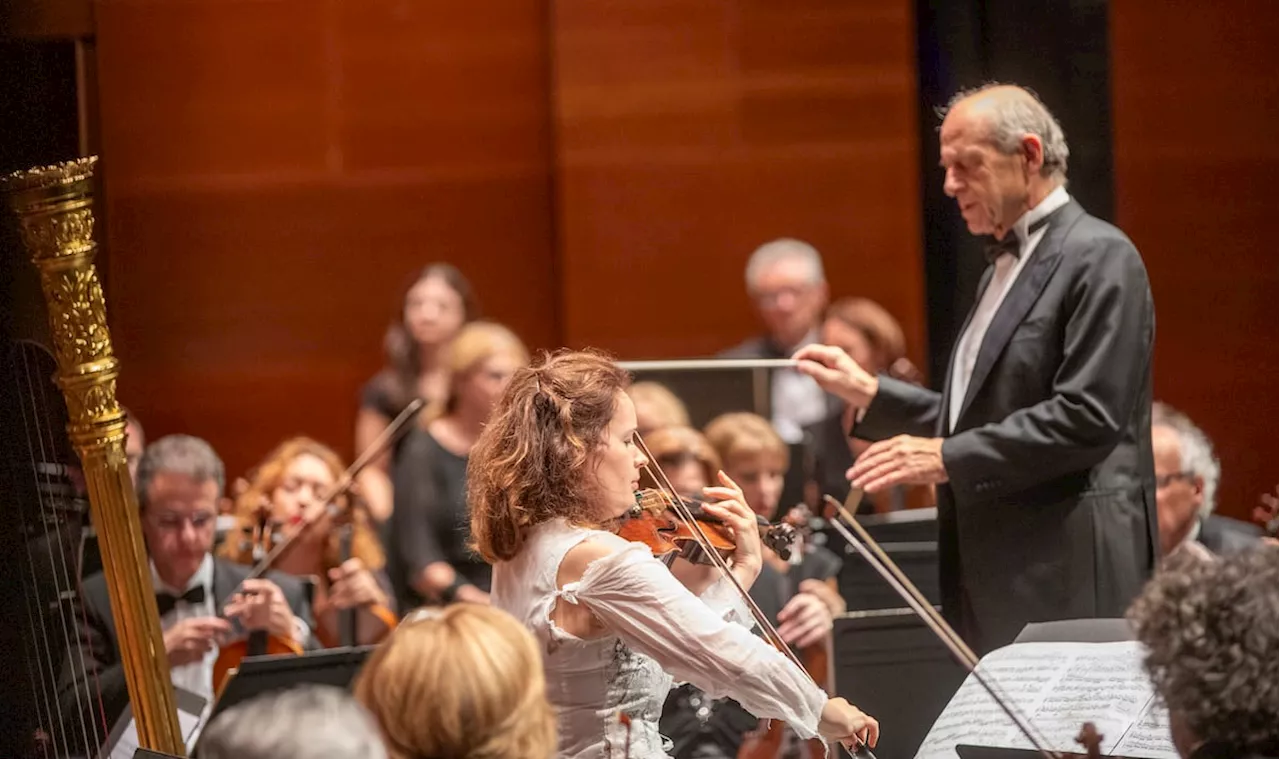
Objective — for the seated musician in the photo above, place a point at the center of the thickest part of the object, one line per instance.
(684, 456)
(656, 407)
(479, 671)
(180, 479)
(340, 552)
(1210, 628)
(1187, 475)
(552, 483)
(868, 333)
(799, 595)
(431, 558)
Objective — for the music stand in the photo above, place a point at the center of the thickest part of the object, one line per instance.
(146, 753)
(263, 674)
(965, 751)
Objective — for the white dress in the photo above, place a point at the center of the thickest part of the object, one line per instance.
(656, 629)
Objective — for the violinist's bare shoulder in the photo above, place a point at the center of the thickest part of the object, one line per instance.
(576, 619)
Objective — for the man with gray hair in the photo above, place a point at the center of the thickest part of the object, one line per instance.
(204, 602)
(786, 283)
(1187, 474)
(304, 722)
(1040, 441)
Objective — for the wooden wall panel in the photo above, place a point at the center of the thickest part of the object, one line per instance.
(688, 132)
(1195, 114)
(275, 169)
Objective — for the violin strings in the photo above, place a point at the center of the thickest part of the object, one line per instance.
(765, 625)
(897, 580)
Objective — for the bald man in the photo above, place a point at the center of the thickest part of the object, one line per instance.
(1040, 441)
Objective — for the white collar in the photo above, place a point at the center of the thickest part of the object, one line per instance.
(203, 576)
(1052, 202)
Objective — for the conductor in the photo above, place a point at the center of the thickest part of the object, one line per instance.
(1040, 441)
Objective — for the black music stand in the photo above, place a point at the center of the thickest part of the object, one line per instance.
(966, 751)
(263, 674)
(146, 753)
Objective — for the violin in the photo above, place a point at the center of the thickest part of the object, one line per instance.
(273, 546)
(668, 523)
(655, 522)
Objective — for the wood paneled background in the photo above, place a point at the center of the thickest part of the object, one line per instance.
(601, 170)
(1194, 108)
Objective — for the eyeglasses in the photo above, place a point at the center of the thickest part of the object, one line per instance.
(1165, 480)
(170, 522)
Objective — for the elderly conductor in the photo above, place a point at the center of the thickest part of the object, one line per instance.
(1040, 441)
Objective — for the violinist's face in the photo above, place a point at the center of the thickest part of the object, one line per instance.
(178, 523)
(306, 480)
(618, 460)
(760, 477)
(482, 387)
(433, 312)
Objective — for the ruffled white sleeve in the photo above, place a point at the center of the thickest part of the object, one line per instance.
(640, 601)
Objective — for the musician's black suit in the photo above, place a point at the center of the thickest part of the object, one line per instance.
(1050, 509)
(92, 683)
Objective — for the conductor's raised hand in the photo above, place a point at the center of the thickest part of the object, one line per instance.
(837, 373)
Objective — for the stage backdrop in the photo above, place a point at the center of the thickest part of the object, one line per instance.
(275, 169)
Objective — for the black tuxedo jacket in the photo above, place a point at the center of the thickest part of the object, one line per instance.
(1049, 512)
(92, 692)
(1226, 536)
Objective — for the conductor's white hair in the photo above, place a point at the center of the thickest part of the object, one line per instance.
(1195, 450)
(305, 722)
(782, 249)
(1012, 118)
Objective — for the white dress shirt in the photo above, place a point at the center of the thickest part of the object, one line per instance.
(1007, 269)
(197, 676)
(796, 399)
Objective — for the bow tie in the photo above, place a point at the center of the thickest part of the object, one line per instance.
(166, 601)
(1011, 244)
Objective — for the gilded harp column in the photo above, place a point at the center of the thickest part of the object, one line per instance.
(54, 206)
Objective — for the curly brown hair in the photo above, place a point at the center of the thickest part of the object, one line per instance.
(1210, 629)
(530, 464)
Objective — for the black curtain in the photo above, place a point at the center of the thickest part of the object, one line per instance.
(1058, 48)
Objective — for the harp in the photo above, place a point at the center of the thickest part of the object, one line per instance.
(62, 434)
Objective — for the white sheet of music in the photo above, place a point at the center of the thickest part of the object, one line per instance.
(123, 741)
(1059, 686)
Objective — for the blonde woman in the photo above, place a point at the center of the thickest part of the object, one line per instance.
(432, 561)
(657, 407)
(460, 682)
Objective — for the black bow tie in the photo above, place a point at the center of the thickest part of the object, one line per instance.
(1011, 243)
(166, 601)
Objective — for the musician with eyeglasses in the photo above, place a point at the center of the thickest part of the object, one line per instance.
(202, 600)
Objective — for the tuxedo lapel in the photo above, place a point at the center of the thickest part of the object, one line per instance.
(944, 419)
(1022, 296)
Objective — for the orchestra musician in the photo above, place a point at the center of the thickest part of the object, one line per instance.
(288, 485)
(180, 479)
(1209, 628)
(555, 469)
(1040, 442)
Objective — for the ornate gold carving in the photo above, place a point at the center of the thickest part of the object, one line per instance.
(54, 205)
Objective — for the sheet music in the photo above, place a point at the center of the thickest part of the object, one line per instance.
(1059, 686)
(123, 741)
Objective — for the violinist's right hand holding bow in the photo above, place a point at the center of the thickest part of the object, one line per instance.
(844, 722)
(190, 639)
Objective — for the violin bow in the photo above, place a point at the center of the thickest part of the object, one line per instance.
(869, 549)
(344, 483)
(861, 750)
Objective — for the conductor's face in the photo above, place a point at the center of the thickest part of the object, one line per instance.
(991, 187)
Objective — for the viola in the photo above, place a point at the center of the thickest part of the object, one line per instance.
(655, 521)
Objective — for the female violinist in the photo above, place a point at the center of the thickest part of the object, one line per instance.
(799, 594)
(340, 550)
(555, 469)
